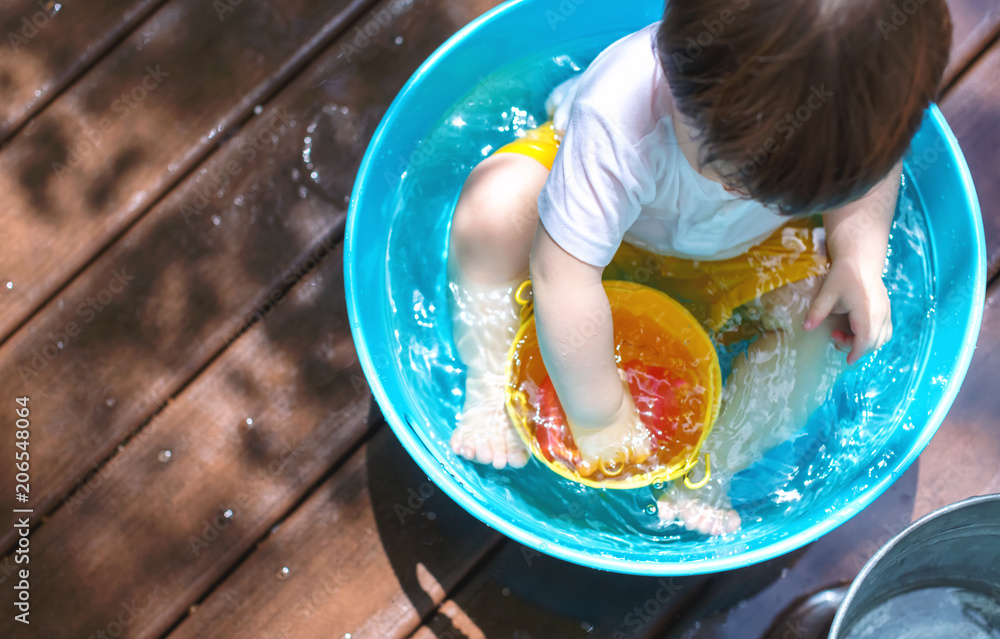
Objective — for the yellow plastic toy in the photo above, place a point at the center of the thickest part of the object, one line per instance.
(673, 373)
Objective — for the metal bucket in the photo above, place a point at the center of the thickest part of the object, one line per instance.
(938, 578)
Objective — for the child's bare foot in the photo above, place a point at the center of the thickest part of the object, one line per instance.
(609, 449)
(706, 510)
(484, 433)
(484, 321)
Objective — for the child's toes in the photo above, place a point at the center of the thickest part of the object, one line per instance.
(517, 454)
(733, 522)
(667, 511)
(695, 517)
(498, 446)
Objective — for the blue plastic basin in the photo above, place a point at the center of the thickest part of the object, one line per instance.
(939, 178)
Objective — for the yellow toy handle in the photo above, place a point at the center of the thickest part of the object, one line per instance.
(703, 480)
(523, 297)
(519, 295)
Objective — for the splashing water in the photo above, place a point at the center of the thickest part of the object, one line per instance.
(838, 441)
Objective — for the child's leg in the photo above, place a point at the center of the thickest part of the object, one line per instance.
(490, 242)
(782, 379)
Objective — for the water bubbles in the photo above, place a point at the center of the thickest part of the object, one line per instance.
(586, 626)
(216, 220)
(257, 110)
(249, 421)
(431, 516)
(505, 592)
(238, 201)
(10, 285)
(315, 176)
(164, 456)
(283, 573)
(303, 193)
(228, 514)
(658, 485)
(110, 402)
(651, 509)
(295, 174)
(398, 40)
(347, 635)
(38, 93)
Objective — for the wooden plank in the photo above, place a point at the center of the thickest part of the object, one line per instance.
(960, 462)
(204, 261)
(971, 110)
(371, 552)
(975, 24)
(250, 436)
(522, 593)
(83, 170)
(47, 47)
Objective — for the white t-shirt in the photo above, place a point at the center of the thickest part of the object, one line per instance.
(620, 172)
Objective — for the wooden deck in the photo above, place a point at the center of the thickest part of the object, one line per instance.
(206, 459)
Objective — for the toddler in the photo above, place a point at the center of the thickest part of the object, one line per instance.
(697, 156)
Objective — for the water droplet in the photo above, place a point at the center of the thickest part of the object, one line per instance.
(303, 193)
(283, 573)
(111, 401)
(249, 421)
(658, 485)
(37, 93)
(314, 175)
(505, 592)
(257, 110)
(10, 285)
(216, 220)
(651, 509)
(59, 344)
(228, 514)
(164, 456)
(347, 635)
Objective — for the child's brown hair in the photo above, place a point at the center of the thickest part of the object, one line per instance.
(804, 104)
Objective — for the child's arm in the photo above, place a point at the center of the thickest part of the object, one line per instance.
(857, 238)
(575, 336)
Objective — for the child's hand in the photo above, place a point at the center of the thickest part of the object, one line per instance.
(854, 286)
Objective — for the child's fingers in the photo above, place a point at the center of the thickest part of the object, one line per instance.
(821, 307)
(842, 340)
(864, 338)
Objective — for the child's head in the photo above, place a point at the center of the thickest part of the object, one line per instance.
(804, 104)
